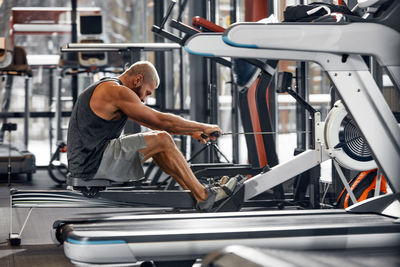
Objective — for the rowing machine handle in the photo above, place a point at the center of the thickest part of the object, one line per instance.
(215, 134)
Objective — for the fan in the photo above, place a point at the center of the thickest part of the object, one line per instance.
(344, 141)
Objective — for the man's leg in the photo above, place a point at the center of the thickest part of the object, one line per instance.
(162, 148)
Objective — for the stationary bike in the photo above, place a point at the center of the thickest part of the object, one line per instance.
(57, 170)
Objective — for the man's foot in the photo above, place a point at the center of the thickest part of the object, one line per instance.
(217, 194)
(224, 179)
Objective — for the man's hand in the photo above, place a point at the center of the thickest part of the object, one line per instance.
(210, 132)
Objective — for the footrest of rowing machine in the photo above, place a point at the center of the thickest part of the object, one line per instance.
(233, 203)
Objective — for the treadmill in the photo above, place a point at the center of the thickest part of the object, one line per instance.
(181, 237)
(371, 224)
(20, 159)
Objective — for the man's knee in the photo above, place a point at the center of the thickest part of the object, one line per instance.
(165, 140)
(157, 142)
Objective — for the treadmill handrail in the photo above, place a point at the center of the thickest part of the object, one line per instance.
(212, 45)
(353, 38)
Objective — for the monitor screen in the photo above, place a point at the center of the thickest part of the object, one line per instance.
(91, 24)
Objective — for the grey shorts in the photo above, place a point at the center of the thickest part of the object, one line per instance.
(122, 161)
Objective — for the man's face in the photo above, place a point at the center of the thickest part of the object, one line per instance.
(145, 90)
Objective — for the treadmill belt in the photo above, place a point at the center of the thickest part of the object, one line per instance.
(240, 227)
(239, 256)
(193, 236)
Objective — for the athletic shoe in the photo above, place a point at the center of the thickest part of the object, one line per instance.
(217, 194)
(222, 181)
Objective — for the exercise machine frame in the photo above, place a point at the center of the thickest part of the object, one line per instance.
(349, 73)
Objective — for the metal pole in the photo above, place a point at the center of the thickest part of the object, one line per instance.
(235, 98)
(9, 159)
(50, 102)
(144, 27)
(198, 83)
(74, 39)
(213, 80)
(301, 115)
(59, 135)
(181, 82)
(161, 99)
(11, 216)
(26, 115)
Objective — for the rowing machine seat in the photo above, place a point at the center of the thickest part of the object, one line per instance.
(90, 188)
(100, 182)
(79, 182)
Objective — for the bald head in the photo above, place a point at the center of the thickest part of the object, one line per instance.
(146, 69)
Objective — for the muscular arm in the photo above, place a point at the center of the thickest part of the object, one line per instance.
(129, 103)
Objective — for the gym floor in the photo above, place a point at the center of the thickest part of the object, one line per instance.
(37, 247)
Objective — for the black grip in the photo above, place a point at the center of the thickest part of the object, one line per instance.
(215, 134)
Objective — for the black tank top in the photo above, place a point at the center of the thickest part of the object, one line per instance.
(88, 135)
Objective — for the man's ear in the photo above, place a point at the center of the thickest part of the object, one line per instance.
(138, 80)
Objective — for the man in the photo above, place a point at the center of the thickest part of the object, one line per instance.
(96, 149)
